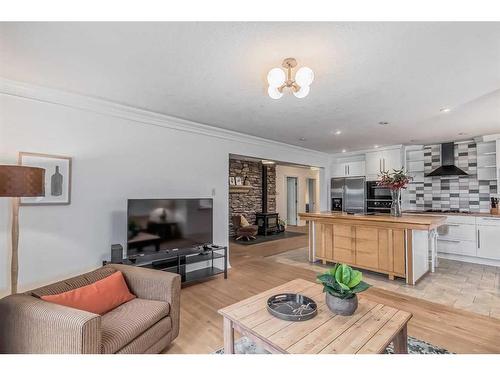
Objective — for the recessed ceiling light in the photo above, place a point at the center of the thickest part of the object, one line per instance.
(338, 132)
(383, 123)
(376, 146)
(344, 150)
(302, 139)
(445, 110)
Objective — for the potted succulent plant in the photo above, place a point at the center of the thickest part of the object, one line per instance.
(341, 283)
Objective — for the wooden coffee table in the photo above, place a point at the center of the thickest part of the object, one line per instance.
(370, 330)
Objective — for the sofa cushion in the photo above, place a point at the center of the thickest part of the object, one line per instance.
(73, 283)
(142, 344)
(243, 221)
(98, 298)
(125, 323)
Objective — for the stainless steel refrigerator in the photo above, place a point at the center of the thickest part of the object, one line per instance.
(349, 194)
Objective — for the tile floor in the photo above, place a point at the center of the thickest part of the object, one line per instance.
(466, 286)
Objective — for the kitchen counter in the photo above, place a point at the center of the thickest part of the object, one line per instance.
(407, 221)
(396, 246)
(472, 214)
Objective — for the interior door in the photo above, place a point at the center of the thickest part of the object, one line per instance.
(311, 194)
(291, 200)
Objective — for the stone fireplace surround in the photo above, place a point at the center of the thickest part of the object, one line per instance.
(248, 204)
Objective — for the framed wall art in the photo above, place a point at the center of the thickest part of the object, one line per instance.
(57, 178)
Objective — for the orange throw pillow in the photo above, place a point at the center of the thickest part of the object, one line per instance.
(98, 298)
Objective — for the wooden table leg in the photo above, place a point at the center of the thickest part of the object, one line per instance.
(228, 336)
(400, 341)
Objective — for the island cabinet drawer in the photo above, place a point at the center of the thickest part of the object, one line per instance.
(452, 231)
(381, 249)
(343, 243)
(391, 251)
(367, 247)
(458, 247)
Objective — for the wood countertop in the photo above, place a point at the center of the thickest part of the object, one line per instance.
(407, 221)
(472, 214)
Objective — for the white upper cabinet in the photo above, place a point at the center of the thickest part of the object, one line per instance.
(486, 160)
(347, 168)
(356, 168)
(497, 151)
(384, 160)
(392, 159)
(373, 164)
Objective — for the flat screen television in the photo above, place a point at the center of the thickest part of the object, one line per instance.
(163, 224)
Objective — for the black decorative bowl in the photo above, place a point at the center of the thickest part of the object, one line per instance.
(292, 307)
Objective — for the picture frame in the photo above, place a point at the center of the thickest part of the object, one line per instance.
(232, 181)
(57, 178)
(239, 181)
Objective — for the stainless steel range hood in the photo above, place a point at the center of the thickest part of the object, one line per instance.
(448, 167)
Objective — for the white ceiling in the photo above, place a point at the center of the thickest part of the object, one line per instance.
(215, 73)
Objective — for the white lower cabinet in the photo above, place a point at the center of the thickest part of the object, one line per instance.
(488, 238)
(474, 238)
(458, 247)
(457, 236)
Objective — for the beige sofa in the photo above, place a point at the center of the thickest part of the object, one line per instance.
(146, 324)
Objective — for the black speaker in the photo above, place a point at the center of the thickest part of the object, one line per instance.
(116, 253)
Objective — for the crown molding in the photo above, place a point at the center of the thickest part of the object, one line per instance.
(343, 155)
(109, 108)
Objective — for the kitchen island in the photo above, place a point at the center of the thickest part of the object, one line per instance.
(397, 246)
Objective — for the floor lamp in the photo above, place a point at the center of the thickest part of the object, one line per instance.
(18, 181)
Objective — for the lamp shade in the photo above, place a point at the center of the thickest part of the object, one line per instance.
(21, 181)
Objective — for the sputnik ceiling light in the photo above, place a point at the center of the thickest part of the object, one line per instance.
(278, 80)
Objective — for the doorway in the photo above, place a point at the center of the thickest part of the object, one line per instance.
(311, 195)
(291, 200)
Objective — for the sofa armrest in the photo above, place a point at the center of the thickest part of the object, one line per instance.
(31, 325)
(155, 285)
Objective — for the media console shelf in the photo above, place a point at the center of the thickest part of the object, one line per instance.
(177, 261)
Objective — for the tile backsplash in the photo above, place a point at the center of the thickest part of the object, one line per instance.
(465, 193)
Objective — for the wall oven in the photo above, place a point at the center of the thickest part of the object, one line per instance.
(378, 198)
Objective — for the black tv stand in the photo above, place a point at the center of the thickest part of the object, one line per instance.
(177, 260)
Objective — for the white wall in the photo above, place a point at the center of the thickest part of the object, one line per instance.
(118, 153)
(302, 174)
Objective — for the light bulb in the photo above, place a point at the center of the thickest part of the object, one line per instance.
(274, 92)
(302, 93)
(304, 76)
(276, 77)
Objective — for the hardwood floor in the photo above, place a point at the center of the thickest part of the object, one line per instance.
(201, 326)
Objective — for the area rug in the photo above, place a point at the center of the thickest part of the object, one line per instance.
(415, 346)
(270, 237)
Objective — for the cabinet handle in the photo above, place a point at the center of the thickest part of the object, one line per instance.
(380, 165)
(478, 239)
(348, 169)
(384, 163)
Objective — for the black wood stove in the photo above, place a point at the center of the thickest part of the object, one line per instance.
(266, 221)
